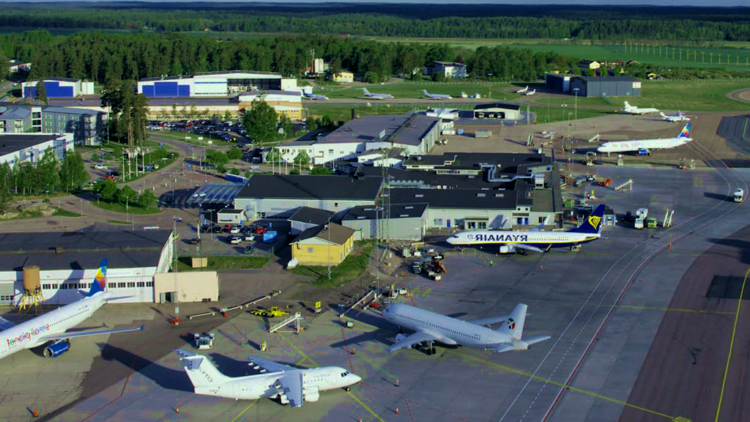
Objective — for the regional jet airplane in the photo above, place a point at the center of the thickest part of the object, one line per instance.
(312, 96)
(368, 94)
(275, 380)
(436, 96)
(52, 326)
(674, 118)
(430, 327)
(635, 110)
(647, 145)
(532, 92)
(523, 91)
(534, 240)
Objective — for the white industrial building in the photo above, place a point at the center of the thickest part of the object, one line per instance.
(412, 134)
(18, 148)
(214, 84)
(58, 88)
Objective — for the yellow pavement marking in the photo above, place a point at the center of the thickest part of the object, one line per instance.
(364, 406)
(246, 409)
(647, 308)
(559, 384)
(731, 345)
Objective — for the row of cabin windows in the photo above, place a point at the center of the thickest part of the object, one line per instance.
(121, 285)
(474, 336)
(68, 318)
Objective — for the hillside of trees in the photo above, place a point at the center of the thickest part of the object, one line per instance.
(98, 56)
(397, 20)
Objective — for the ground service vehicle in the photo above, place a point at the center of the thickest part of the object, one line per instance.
(651, 223)
(739, 195)
(204, 341)
(270, 313)
(639, 223)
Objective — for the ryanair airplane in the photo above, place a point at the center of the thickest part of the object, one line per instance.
(534, 240)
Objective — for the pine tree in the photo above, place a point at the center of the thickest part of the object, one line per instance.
(41, 92)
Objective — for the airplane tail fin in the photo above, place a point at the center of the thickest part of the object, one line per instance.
(514, 324)
(627, 105)
(425, 93)
(200, 370)
(366, 91)
(662, 114)
(685, 133)
(593, 222)
(100, 279)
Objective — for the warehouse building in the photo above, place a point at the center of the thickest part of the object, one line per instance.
(412, 133)
(213, 84)
(288, 103)
(448, 69)
(21, 148)
(402, 222)
(307, 217)
(58, 88)
(328, 244)
(588, 86)
(68, 261)
(86, 126)
(280, 196)
(498, 110)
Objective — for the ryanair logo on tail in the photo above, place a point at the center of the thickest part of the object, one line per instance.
(594, 221)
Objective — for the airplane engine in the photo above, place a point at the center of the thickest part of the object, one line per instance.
(521, 345)
(507, 249)
(311, 395)
(400, 337)
(57, 349)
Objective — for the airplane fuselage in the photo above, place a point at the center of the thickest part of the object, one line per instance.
(626, 146)
(253, 387)
(26, 335)
(541, 240)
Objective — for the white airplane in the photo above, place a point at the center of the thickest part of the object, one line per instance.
(275, 380)
(436, 96)
(430, 327)
(635, 110)
(312, 96)
(674, 118)
(532, 92)
(368, 94)
(463, 95)
(534, 240)
(644, 147)
(523, 91)
(53, 326)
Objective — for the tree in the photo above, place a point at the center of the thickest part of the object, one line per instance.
(6, 180)
(302, 158)
(326, 121)
(273, 156)
(147, 199)
(217, 158)
(247, 174)
(107, 189)
(127, 195)
(73, 172)
(47, 170)
(41, 93)
(460, 59)
(234, 171)
(286, 124)
(221, 169)
(320, 171)
(590, 72)
(234, 154)
(260, 121)
(311, 123)
(227, 116)
(438, 76)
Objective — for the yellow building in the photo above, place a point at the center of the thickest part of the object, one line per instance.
(323, 245)
(343, 77)
(284, 102)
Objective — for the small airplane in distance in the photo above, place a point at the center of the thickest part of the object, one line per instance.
(674, 118)
(534, 240)
(436, 96)
(644, 147)
(312, 96)
(635, 110)
(368, 94)
(430, 327)
(275, 380)
(53, 326)
(532, 92)
(523, 91)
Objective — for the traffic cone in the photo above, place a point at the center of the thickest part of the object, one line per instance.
(396, 382)
(177, 410)
(35, 413)
(397, 410)
(354, 352)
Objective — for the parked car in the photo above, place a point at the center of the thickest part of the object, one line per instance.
(234, 230)
(234, 240)
(216, 229)
(194, 241)
(100, 167)
(248, 250)
(260, 230)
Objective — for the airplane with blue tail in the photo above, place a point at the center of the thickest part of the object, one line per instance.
(534, 240)
(53, 326)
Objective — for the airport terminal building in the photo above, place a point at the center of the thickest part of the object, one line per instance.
(214, 84)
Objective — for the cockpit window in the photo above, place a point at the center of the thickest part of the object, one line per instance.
(344, 374)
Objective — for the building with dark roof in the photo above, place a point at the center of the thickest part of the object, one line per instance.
(589, 86)
(280, 196)
(307, 217)
(19, 148)
(68, 261)
(448, 69)
(498, 110)
(328, 244)
(413, 133)
(86, 126)
(402, 221)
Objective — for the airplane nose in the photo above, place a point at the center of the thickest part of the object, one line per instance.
(355, 378)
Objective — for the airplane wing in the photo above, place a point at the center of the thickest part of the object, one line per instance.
(66, 336)
(525, 343)
(540, 227)
(5, 324)
(292, 385)
(490, 321)
(416, 338)
(269, 366)
(528, 247)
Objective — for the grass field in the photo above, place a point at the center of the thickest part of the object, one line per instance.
(184, 263)
(557, 114)
(353, 267)
(119, 222)
(132, 209)
(689, 96)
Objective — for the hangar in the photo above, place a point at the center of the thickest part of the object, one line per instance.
(58, 88)
(213, 84)
(498, 110)
(589, 86)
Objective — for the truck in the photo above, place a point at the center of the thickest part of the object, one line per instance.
(641, 213)
(639, 223)
(273, 312)
(651, 223)
(204, 341)
(739, 195)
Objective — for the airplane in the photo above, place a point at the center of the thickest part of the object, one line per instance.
(534, 240)
(377, 96)
(53, 326)
(430, 327)
(463, 95)
(312, 96)
(635, 110)
(288, 384)
(674, 118)
(644, 147)
(532, 92)
(523, 91)
(436, 96)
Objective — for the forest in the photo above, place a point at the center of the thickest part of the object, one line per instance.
(397, 20)
(98, 56)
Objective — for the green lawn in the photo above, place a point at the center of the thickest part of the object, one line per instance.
(131, 209)
(215, 263)
(119, 222)
(353, 267)
(581, 101)
(557, 114)
(59, 212)
(344, 112)
(688, 96)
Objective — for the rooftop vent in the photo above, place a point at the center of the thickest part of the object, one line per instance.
(481, 195)
(409, 207)
(419, 195)
(59, 249)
